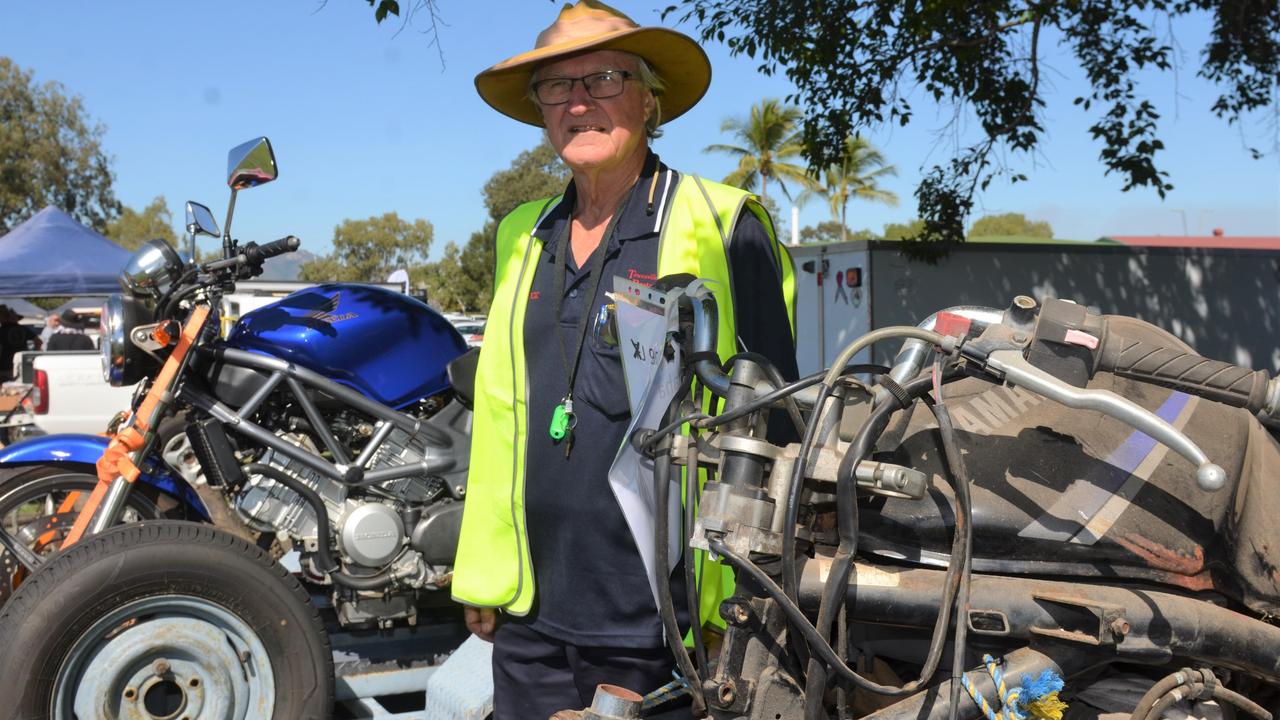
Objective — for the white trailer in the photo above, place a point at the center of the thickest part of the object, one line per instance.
(833, 301)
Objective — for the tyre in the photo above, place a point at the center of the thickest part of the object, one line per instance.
(164, 619)
(39, 505)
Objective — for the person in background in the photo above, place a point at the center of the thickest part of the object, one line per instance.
(51, 325)
(70, 333)
(543, 540)
(14, 338)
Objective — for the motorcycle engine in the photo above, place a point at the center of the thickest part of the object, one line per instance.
(368, 524)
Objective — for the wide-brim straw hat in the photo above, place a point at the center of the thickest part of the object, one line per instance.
(589, 26)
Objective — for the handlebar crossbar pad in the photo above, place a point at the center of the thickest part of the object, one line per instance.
(1215, 380)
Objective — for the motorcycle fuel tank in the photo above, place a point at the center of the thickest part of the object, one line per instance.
(1059, 492)
(388, 346)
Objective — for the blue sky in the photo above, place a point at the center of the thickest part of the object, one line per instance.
(365, 119)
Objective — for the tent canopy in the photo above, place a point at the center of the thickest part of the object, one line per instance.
(53, 254)
(24, 308)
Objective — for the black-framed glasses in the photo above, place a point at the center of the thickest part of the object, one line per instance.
(600, 85)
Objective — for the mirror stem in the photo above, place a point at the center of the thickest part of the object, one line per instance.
(226, 227)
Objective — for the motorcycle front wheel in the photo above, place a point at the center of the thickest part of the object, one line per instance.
(164, 619)
(39, 505)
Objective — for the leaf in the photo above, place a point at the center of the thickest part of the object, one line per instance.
(385, 7)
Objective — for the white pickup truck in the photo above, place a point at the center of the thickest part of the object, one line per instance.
(68, 394)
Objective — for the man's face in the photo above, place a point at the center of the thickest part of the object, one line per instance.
(596, 133)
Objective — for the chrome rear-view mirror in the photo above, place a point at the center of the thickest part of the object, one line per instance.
(200, 220)
(251, 164)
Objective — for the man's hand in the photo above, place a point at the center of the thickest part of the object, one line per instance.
(481, 621)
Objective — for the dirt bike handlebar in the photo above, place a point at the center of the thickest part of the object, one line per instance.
(1017, 371)
(1223, 382)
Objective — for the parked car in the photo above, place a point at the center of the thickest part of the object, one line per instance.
(472, 332)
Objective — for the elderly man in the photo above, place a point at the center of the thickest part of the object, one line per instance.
(544, 542)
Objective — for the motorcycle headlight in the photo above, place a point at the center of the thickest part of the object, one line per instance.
(151, 270)
(124, 363)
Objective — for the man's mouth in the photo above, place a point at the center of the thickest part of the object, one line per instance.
(585, 128)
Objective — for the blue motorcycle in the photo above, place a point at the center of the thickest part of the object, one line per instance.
(333, 423)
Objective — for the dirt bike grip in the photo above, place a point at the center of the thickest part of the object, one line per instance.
(1215, 380)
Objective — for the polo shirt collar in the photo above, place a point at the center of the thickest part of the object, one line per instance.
(638, 220)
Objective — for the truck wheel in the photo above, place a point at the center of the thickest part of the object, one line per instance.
(39, 506)
(164, 619)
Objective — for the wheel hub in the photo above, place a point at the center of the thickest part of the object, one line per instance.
(168, 659)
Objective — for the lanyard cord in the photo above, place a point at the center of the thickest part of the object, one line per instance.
(597, 269)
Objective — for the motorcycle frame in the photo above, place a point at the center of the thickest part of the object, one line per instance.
(298, 379)
(118, 467)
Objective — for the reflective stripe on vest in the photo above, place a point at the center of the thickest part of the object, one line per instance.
(492, 567)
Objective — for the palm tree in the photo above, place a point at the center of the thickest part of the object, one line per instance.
(768, 138)
(857, 176)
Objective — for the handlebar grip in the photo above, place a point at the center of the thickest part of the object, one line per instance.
(256, 254)
(1215, 380)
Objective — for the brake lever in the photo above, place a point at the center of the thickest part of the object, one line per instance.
(1017, 371)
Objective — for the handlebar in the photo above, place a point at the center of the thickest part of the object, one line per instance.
(1215, 380)
(255, 254)
(1018, 371)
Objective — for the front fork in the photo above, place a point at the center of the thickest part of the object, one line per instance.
(117, 469)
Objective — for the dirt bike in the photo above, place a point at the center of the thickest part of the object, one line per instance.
(145, 563)
(1037, 508)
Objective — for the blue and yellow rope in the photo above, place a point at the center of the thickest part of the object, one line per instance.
(1034, 698)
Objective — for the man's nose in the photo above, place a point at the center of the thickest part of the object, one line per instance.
(579, 99)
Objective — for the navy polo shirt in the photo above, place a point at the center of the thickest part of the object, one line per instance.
(591, 586)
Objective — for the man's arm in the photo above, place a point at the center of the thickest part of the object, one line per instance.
(763, 323)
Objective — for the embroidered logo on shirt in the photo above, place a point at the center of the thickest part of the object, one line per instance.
(535, 294)
(639, 277)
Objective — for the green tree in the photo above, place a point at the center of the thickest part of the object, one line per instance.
(856, 176)
(447, 288)
(832, 231)
(50, 153)
(857, 63)
(1007, 224)
(369, 250)
(133, 228)
(463, 279)
(769, 140)
(910, 230)
(536, 173)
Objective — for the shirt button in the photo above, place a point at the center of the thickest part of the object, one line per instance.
(573, 293)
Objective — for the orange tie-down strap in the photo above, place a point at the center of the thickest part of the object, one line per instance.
(115, 461)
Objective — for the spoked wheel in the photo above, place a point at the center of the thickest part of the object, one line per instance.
(164, 619)
(39, 506)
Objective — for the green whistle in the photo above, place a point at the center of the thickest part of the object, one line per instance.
(559, 422)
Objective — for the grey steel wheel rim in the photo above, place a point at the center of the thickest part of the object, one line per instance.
(166, 657)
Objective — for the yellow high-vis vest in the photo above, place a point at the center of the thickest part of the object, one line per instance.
(492, 568)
